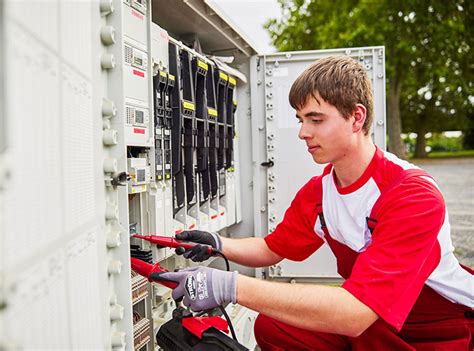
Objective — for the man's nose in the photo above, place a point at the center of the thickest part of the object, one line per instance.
(303, 133)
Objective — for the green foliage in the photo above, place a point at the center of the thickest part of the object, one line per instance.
(428, 49)
(437, 142)
(450, 154)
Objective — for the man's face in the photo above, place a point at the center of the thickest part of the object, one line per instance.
(326, 132)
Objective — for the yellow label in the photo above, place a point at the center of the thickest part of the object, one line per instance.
(188, 105)
(163, 74)
(168, 176)
(224, 76)
(170, 77)
(232, 81)
(202, 64)
(234, 102)
(212, 112)
(143, 187)
(159, 177)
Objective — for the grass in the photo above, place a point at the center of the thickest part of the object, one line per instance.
(449, 154)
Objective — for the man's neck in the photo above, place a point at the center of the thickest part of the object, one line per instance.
(351, 167)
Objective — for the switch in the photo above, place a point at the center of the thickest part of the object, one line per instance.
(116, 312)
(106, 7)
(113, 239)
(110, 165)
(115, 267)
(107, 61)
(107, 35)
(118, 339)
(110, 137)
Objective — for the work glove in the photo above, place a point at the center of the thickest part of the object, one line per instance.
(202, 288)
(199, 252)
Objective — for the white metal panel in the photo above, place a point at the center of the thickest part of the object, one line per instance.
(37, 313)
(76, 34)
(293, 166)
(33, 96)
(135, 27)
(159, 46)
(84, 299)
(54, 250)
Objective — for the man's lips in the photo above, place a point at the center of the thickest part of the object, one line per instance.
(313, 148)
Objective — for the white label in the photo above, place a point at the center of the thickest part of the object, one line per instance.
(159, 204)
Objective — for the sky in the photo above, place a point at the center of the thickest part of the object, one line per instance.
(249, 16)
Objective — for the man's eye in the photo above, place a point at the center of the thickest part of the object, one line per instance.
(317, 120)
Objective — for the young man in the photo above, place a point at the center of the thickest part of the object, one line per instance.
(384, 219)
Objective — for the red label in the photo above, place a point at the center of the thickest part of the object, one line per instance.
(137, 14)
(192, 226)
(214, 217)
(179, 231)
(139, 131)
(138, 73)
(222, 213)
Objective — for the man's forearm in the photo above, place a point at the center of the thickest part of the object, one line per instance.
(313, 307)
(250, 252)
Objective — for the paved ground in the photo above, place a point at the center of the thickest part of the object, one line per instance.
(455, 177)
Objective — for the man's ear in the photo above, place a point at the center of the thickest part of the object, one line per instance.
(359, 114)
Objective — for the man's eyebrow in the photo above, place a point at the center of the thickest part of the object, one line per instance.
(311, 114)
(314, 114)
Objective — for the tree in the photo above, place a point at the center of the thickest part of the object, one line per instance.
(424, 41)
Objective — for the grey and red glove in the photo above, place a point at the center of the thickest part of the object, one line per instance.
(202, 288)
(203, 239)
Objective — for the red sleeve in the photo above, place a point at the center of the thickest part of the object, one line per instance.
(294, 238)
(389, 275)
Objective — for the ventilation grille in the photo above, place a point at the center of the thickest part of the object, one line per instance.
(129, 115)
(128, 52)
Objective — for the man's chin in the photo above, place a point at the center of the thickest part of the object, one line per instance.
(320, 160)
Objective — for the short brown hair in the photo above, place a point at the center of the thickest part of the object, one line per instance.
(340, 81)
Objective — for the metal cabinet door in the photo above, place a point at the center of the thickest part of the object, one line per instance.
(287, 166)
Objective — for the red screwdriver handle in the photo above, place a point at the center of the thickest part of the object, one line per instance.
(167, 241)
(146, 269)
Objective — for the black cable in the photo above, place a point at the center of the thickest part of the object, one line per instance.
(219, 253)
(229, 322)
(231, 327)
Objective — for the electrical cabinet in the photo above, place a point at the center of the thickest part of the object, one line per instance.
(117, 123)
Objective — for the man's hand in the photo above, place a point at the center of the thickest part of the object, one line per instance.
(199, 252)
(203, 288)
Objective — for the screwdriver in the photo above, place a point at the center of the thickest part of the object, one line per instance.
(146, 270)
(167, 241)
